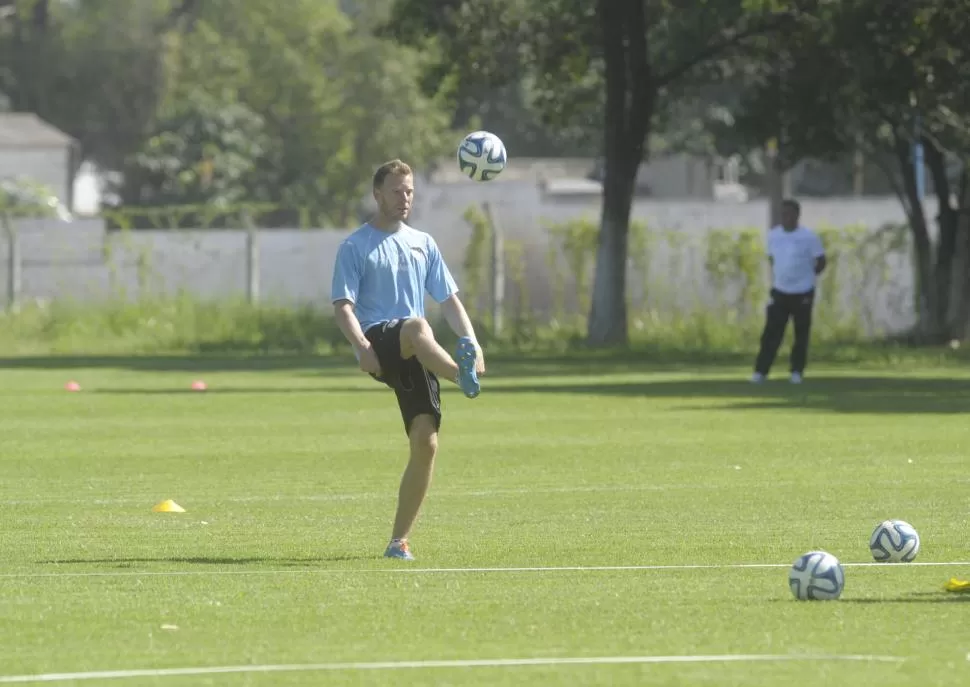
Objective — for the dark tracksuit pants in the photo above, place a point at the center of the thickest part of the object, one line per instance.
(781, 308)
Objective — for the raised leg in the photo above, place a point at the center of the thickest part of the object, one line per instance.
(417, 340)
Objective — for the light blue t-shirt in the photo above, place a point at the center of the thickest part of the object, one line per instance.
(385, 275)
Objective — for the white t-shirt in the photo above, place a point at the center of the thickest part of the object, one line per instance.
(793, 255)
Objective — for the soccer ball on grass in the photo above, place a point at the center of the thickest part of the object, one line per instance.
(894, 541)
(816, 576)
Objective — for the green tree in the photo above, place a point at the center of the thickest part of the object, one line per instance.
(880, 77)
(91, 68)
(160, 89)
(335, 100)
(207, 152)
(25, 198)
(624, 58)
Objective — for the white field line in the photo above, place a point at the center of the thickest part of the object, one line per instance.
(452, 571)
(398, 665)
(386, 495)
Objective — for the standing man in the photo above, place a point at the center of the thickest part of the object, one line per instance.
(380, 278)
(797, 258)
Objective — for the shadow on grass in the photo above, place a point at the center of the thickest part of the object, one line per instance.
(923, 598)
(227, 391)
(180, 363)
(570, 364)
(562, 373)
(499, 364)
(575, 361)
(843, 394)
(849, 394)
(212, 560)
(838, 394)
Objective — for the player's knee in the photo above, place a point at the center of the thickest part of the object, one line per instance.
(424, 438)
(415, 328)
(412, 332)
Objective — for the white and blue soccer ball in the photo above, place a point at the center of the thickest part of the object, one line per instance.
(482, 156)
(894, 541)
(816, 576)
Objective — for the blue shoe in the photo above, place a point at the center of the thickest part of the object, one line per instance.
(467, 377)
(398, 548)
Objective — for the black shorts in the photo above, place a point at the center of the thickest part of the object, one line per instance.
(416, 387)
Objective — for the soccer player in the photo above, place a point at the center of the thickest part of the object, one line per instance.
(380, 277)
(797, 257)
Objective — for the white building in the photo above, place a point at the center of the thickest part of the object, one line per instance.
(32, 148)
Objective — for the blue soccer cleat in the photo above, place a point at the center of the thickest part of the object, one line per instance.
(398, 548)
(466, 356)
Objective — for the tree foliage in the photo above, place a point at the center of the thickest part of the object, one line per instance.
(301, 99)
(334, 100)
(206, 152)
(293, 104)
(863, 75)
(90, 68)
(618, 63)
(21, 198)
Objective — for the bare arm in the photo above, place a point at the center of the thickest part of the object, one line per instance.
(820, 263)
(343, 312)
(457, 318)
(461, 324)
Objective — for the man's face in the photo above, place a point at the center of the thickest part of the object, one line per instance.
(394, 196)
(789, 217)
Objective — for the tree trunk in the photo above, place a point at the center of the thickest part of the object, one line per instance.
(630, 93)
(608, 320)
(40, 16)
(928, 326)
(774, 183)
(858, 173)
(958, 314)
(947, 244)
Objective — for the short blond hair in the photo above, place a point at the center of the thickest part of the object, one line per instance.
(395, 167)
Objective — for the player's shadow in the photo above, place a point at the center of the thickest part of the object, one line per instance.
(842, 394)
(940, 597)
(212, 560)
(917, 598)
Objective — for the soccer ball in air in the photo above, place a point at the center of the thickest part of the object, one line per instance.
(816, 576)
(481, 155)
(894, 541)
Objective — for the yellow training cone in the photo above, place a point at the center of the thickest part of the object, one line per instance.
(168, 506)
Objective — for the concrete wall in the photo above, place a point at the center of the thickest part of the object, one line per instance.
(678, 176)
(664, 177)
(80, 261)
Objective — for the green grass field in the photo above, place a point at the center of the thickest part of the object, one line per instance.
(288, 471)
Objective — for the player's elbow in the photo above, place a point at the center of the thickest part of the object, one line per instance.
(452, 302)
(342, 307)
(452, 308)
